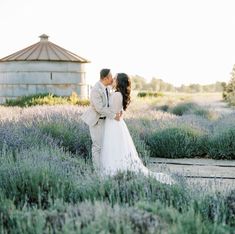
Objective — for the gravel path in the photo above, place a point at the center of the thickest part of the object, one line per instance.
(217, 175)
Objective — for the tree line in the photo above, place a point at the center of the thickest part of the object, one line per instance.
(158, 85)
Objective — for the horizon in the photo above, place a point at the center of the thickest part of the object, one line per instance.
(180, 42)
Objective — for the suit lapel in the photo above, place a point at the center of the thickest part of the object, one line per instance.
(101, 91)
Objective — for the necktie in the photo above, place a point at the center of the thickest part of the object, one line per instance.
(106, 90)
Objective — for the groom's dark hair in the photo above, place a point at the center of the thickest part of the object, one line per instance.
(104, 72)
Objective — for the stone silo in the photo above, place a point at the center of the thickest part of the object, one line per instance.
(43, 67)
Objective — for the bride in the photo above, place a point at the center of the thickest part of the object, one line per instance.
(118, 152)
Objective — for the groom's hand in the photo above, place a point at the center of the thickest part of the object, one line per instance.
(117, 117)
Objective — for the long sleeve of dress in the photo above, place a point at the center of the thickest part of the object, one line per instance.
(117, 102)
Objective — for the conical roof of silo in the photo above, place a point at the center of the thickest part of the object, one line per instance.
(44, 50)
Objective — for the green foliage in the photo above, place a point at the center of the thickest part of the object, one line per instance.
(44, 190)
(177, 142)
(189, 221)
(155, 85)
(75, 100)
(46, 99)
(230, 205)
(158, 85)
(193, 108)
(164, 108)
(46, 186)
(149, 94)
(25, 100)
(184, 108)
(65, 135)
(138, 82)
(38, 175)
(101, 217)
(75, 139)
(34, 176)
(212, 208)
(208, 114)
(229, 89)
(85, 217)
(195, 88)
(221, 145)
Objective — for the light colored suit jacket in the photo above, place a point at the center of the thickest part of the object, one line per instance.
(97, 107)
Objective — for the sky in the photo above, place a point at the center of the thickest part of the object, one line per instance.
(180, 42)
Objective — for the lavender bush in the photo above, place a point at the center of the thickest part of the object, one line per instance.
(61, 125)
(177, 142)
(47, 182)
(45, 189)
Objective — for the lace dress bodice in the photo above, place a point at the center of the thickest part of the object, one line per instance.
(116, 102)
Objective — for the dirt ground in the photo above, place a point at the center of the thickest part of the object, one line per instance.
(214, 102)
(216, 175)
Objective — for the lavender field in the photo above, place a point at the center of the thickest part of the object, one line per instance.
(47, 183)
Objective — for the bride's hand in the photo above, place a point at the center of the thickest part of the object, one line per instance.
(117, 117)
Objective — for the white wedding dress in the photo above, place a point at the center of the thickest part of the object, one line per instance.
(118, 152)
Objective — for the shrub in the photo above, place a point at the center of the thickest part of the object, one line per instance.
(189, 221)
(45, 189)
(86, 217)
(211, 207)
(76, 100)
(149, 94)
(73, 136)
(46, 99)
(35, 176)
(164, 108)
(20, 135)
(230, 205)
(50, 99)
(184, 108)
(195, 109)
(221, 144)
(177, 142)
(229, 89)
(208, 114)
(25, 100)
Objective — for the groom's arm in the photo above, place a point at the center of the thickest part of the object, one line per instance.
(97, 102)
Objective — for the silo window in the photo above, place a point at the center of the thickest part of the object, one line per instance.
(51, 75)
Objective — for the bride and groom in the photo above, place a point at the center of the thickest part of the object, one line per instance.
(113, 149)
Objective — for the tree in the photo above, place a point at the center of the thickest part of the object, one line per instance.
(138, 82)
(229, 89)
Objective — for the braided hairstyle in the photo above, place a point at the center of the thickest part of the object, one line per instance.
(123, 86)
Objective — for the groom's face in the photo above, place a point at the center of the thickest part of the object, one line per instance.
(109, 79)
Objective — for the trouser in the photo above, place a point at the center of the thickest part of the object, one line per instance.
(97, 133)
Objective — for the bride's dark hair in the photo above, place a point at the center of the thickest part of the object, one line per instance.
(123, 85)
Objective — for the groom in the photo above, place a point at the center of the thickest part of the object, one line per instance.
(97, 113)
